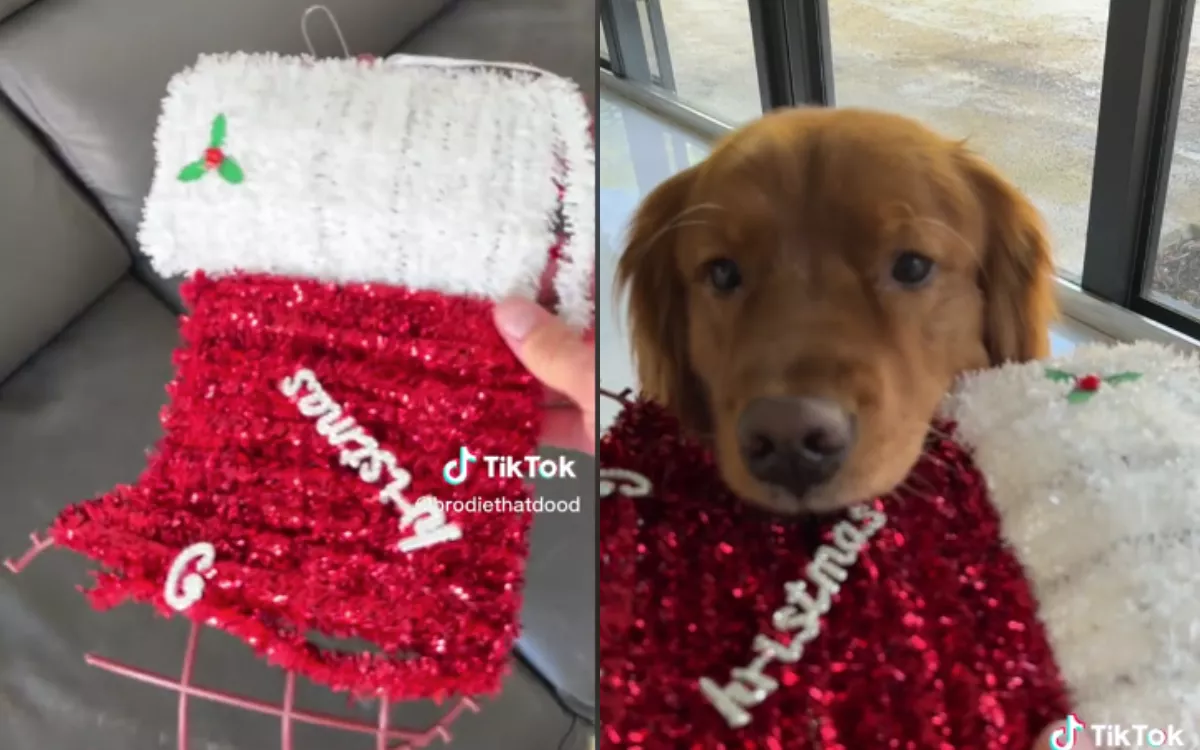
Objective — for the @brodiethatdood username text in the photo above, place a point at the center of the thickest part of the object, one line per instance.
(505, 505)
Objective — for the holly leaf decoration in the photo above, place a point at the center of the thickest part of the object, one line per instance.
(1123, 377)
(1059, 376)
(217, 137)
(231, 171)
(1079, 396)
(192, 172)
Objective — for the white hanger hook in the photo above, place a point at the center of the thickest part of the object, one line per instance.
(332, 22)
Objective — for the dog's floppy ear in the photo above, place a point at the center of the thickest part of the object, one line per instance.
(658, 305)
(1017, 269)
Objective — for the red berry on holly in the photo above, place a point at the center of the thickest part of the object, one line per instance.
(1089, 383)
(213, 158)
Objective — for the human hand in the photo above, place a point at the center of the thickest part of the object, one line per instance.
(1054, 738)
(564, 361)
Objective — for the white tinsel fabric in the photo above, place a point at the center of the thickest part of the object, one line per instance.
(1100, 497)
(447, 175)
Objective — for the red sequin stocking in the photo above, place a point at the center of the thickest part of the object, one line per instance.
(927, 635)
(306, 420)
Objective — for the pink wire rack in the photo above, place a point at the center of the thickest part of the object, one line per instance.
(386, 736)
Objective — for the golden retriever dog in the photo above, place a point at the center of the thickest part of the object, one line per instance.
(804, 298)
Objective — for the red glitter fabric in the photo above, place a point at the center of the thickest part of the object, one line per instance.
(303, 544)
(932, 640)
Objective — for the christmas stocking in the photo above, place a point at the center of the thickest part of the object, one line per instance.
(347, 227)
(1041, 560)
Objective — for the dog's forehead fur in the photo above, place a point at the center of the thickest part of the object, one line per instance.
(850, 177)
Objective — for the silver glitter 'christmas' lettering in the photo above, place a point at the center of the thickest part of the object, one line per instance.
(424, 519)
(183, 588)
(808, 600)
(623, 482)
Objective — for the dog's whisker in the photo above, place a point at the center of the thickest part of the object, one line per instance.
(926, 485)
(942, 435)
(895, 497)
(938, 431)
(907, 486)
(699, 206)
(676, 221)
(933, 458)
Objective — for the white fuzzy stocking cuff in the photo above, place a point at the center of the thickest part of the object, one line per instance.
(434, 174)
(1093, 462)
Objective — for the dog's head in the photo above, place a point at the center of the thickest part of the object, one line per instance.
(806, 296)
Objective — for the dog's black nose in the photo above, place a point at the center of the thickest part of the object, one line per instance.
(795, 443)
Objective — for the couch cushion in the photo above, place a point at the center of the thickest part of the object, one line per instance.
(75, 421)
(558, 620)
(57, 254)
(556, 35)
(8, 7)
(90, 73)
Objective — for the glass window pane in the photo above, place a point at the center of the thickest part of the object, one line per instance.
(711, 56)
(647, 26)
(603, 45)
(1020, 80)
(1176, 274)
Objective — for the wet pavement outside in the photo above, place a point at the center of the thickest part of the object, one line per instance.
(1020, 79)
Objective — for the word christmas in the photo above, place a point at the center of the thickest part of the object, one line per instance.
(623, 482)
(508, 467)
(801, 616)
(425, 518)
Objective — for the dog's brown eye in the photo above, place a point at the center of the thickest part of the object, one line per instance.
(912, 269)
(724, 275)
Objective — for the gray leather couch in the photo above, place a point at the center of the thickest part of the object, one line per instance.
(86, 334)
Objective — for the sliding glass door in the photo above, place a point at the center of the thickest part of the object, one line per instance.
(1090, 106)
(1172, 278)
(1019, 80)
(699, 51)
